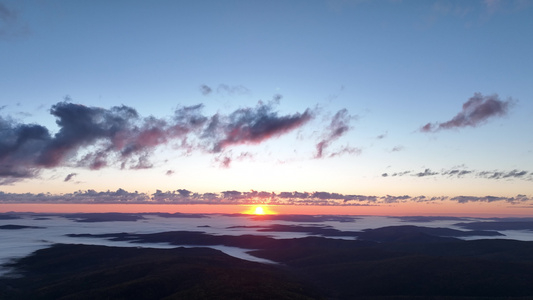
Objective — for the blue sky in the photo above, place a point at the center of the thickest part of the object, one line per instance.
(359, 78)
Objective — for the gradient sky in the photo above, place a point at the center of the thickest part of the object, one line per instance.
(329, 102)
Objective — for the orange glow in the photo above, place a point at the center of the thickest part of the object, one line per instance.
(259, 210)
(400, 209)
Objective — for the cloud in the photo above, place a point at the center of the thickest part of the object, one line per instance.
(253, 126)
(512, 200)
(205, 90)
(224, 161)
(20, 147)
(346, 150)
(396, 174)
(503, 174)
(340, 124)
(10, 23)
(476, 111)
(95, 138)
(457, 172)
(427, 172)
(184, 196)
(497, 175)
(397, 148)
(70, 176)
(224, 89)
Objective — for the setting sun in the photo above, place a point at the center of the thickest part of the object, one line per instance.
(259, 210)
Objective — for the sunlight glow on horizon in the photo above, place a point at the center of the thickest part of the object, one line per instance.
(460, 210)
(259, 210)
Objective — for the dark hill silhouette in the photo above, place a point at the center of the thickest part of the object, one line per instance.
(398, 262)
(101, 272)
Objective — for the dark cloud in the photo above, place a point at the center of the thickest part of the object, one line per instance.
(108, 136)
(513, 174)
(512, 200)
(456, 172)
(94, 138)
(427, 172)
(169, 172)
(205, 90)
(293, 195)
(477, 110)
(396, 174)
(70, 176)
(341, 198)
(395, 199)
(232, 195)
(340, 124)
(326, 195)
(88, 196)
(502, 174)
(253, 126)
(20, 148)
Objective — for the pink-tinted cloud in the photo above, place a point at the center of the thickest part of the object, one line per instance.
(476, 111)
(254, 125)
(94, 138)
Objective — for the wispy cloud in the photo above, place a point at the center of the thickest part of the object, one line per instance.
(205, 90)
(10, 23)
(397, 148)
(340, 124)
(458, 173)
(476, 111)
(382, 136)
(504, 174)
(224, 89)
(70, 176)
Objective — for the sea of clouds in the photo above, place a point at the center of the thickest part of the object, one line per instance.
(46, 229)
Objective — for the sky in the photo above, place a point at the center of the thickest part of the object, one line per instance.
(359, 106)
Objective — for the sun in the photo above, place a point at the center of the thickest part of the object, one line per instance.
(259, 210)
